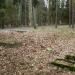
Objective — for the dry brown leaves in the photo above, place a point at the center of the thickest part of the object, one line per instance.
(32, 57)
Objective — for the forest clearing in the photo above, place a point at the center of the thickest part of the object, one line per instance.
(31, 52)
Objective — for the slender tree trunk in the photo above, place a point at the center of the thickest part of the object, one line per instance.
(48, 10)
(23, 13)
(56, 15)
(50, 13)
(72, 14)
(30, 13)
(69, 13)
(2, 25)
(19, 13)
(35, 17)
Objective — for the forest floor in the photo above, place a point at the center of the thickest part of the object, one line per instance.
(31, 52)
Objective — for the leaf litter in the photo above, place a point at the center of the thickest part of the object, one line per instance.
(36, 51)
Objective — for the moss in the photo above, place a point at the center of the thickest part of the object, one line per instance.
(67, 60)
(63, 66)
(70, 57)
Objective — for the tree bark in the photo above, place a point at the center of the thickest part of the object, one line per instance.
(30, 13)
(72, 14)
(69, 13)
(56, 14)
(35, 18)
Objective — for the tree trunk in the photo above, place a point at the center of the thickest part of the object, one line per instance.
(30, 13)
(69, 13)
(48, 10)
(23, 12)
(19, 13)
(72, 14)
(56, 14)
(35, 17)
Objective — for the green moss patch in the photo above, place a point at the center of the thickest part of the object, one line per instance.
(67, 63)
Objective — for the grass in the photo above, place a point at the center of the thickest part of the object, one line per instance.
(61, 30)
(52, 28)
